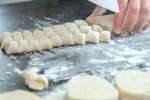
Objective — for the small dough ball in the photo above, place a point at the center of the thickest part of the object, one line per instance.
(85, 29)
(86, 87)
(4, 34)
(133, 85)
(60, 29)
(72, 28)
(35, 81)
(34, 44)
(97, 28)
(80, 22)
(79, 38)
(27, 35)
(105, 36)
(56, 41)
(5, 42)
(19, 95)
(67, 39)
(12, 48)
(49, 32)
(39, 84)
(24, 47)
(38, 34)
(45, 43)
(92, 37)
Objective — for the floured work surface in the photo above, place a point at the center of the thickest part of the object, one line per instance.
(102, 59)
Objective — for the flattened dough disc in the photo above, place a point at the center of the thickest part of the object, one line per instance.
(19, 95)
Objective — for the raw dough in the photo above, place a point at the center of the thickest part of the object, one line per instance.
(35, 81)
(56, 41)
(92, 37)
(67, 39)
(79, 38)
(49, 32)
(87, 87)
(23, 44)
(45, 44)
(12, 48)
(34, 44)
(27, 35)
(19, 95)
(85, 29)
(72, 28)
(38, 34)
(80, 22)
(60, 29)
(97, 28)
(105, 36)
(6, 41)
(17, 36)
(3, 35)
(133, 85)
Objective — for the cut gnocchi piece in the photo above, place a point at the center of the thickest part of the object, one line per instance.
(97, 28)
(92, 37)
(56, 41)
(67, 39)
(72, 28)
(79, 38)
(4, 34)
(35, 81)
(60, 29)
(80, 22)
(49, 32)
(12, 48)
(23, 45)
(45, 43)
(85, 29)
(6, 41)
(38, 34)
(27, 35)
(34, 45)
(105, 36)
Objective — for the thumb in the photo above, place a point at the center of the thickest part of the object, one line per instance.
(98, 11)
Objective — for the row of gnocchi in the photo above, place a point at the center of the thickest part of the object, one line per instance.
(78, 32)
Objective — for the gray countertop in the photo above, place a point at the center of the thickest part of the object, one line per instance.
(100, 59)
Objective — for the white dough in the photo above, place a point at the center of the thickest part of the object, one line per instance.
(34, 44)
(27, 35)
(80, 22)
(35, 81)
(19, 95)
(72, 28)
(105, 36)
(79, 38)
(12, 48)
(4, 34)
(6, 40)
(60, 29)
(24, 47)
(56, 41)
(88, 87)
(38, 34)
(49, 32)
(67, 38)
(85, 29)
(92, 37)
(133, 85)
(97, 28)
(17, 36)
(45, 43)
